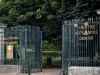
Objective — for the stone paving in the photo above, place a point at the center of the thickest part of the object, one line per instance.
(50, 71)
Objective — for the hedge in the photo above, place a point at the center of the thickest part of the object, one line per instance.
(56, 62)
(52, 53)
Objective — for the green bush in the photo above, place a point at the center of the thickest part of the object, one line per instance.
(56, 62)
(44, 61)
(49, 47)
(11, 61)
(52, 53)
(50, 50)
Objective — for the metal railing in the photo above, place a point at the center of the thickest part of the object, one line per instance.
(26, 41)
(81, 42)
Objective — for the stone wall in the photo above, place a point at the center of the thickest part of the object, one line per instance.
(9, 68)
(15, 69)
(84, 71)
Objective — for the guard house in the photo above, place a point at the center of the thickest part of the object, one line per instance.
(21, 45)
(81, 46)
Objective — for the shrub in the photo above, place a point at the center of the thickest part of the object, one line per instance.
(44, 61)
(49, 47)
(56, 62)
(52, 53)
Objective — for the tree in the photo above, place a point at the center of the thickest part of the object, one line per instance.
(45, 12)
(15, 11)
(79, 8)
(67, 7)
(85, 8)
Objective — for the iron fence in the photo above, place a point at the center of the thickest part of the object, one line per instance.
(80, 42)
(26, 41)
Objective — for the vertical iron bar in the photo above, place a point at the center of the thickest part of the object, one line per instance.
(70, 42)
(64, 68)
(73, 41)
(41, 50)
(26, 48)
(93, 50)
(35, 47)
(88, 45)
(71, 51)
(81, 49)
(99, 39)
(21, 65)
(78, 45)
(96, 46)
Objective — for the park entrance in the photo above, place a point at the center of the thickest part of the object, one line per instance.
(81, 43)
(21, 45)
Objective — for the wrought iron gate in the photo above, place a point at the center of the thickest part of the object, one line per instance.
(26, 44)
(81, 43)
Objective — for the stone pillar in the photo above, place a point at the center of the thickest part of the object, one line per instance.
(1, 46)
(2, 26)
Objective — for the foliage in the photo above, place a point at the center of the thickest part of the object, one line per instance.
(29, 61)
(67, 7)
(48, 12)
(50, 50)
(44, 61)
(11, 61)
(56, 62)
(15, 11)
(52, 53)
(79, 8)
(49, 47)
(52, 33)
(45, 12)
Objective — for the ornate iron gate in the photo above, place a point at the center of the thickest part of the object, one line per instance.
(25, 42)
(81, 43)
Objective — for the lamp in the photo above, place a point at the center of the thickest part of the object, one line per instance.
(98, 11)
